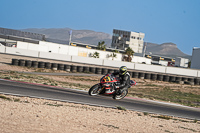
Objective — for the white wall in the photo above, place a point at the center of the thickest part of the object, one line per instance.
(152, 68)
(2, 48)
(48, 55)
(43, 48)
(17, 51)
(198, 73)
(181, 62)
(137, 59)
(73, 51)
(118, 64)
(63, 49)
(54, 48)
(33, 47)
(163, 63)
(22, 45)
(82, 52)
(181, 71)
(87, 60)
(105, 62)
(70, 53)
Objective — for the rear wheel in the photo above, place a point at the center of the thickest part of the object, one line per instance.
(94, 90)
(120, 96)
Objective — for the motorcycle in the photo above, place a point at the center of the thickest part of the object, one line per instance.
(107, 87)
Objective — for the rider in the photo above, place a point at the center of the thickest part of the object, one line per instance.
(124, 77)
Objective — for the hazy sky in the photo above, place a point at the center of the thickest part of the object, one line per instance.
(176, 21)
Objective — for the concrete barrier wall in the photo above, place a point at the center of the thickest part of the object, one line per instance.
(63, 49)
(66, 49)
(152, 68)
(54, 48)
(141, 60)
(2, 48)
(17, 51)
(22, 45)
(119, 57)
(163, 63)
(87, 60)
(182, 71)
(2, 40)
(105, 54)
(73, 51)
(43, 48)
(33, 47)
(118, 64)
(198, 73)
(91, 52)
(82, 52)
(54, 56)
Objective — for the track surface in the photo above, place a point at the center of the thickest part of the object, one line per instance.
(77, 96)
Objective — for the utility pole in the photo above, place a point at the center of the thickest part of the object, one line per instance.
(70, 36)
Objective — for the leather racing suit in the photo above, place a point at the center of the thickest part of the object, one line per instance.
(124, 81)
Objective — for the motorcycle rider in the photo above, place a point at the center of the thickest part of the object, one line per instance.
(124, 77)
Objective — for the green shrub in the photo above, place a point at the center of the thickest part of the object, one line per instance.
(120, 108)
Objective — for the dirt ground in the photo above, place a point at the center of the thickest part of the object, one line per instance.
(23, 114)
(31, 115)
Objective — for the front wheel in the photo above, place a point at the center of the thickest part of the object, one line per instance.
(120, 96)
(94, 90)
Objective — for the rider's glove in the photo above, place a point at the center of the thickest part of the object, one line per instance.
(116, 87)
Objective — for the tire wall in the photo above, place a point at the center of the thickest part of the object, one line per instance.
(100, 70)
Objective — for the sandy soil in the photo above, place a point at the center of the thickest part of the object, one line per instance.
(31, 115)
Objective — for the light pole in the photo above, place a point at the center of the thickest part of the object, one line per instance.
(70, 36)
(144, 49)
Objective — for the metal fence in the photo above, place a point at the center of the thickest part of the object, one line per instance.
(35, 36)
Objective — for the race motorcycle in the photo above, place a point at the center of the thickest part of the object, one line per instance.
(107, 87)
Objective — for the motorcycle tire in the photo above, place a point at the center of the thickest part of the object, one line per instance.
(120, 96)
(94, 90)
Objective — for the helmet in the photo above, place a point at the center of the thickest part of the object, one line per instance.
(122, 70)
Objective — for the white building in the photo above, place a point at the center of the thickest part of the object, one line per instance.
(195, 62)
(123, 39)
(181, 62)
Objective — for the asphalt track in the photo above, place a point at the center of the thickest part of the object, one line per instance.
(82, 97)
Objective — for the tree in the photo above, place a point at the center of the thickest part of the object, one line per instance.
(189, 64)
(115, 51)
(101, 46)
(95, 55)
(113, 55)
(129, 52)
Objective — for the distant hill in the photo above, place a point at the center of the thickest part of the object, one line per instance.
(61, 35)
(165, 49)
(82, 36)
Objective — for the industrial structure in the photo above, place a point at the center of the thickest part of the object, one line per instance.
(195, 62)
(123, 39)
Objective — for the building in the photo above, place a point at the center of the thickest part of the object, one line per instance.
(123, 39)
(22, 34)
(195, 62)
(161, 60)
(181, 62)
